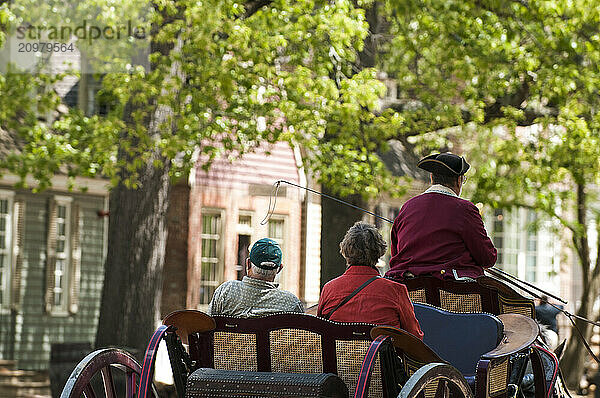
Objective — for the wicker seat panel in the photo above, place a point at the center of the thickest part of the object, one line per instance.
(460, 302)
(235, 351)
(417, 296)
(498, 378)
(296, 351)
(514, 306)
(349, 354)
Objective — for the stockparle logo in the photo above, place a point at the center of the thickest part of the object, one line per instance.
(58, 40)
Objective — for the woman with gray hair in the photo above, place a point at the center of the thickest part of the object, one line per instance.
(360, 294)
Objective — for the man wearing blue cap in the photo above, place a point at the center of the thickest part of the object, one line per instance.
(256, 294)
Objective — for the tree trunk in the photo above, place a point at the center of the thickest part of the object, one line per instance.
(137, 232)
(133, 271)
(336, 219)
(572, 363)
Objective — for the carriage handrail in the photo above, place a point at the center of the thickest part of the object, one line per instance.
(520, 332)
(408, 343)
(189, 321)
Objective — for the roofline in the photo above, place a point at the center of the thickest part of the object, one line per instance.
(95, 186)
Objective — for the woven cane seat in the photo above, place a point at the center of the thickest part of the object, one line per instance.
(288, 343)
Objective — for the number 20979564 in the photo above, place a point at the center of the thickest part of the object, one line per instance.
(45, 47)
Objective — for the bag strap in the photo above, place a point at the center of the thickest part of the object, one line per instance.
(354, 293)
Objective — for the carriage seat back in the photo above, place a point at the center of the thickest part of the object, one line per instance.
(288, 343)
(459, 338)
(483, 294)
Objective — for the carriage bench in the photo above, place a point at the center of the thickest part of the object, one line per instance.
(289, 344)
(467, 352)
(371, 361)
(484, 294)
(490, 352)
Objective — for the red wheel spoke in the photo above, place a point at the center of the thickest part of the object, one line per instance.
(109, 385)
(131, 387)
(88, 391)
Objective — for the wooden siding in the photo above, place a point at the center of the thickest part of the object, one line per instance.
(257, 168)
(6, 336)
(34, 329)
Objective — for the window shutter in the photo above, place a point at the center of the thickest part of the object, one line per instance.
(75, 271)
(19, 212)
(50, 255)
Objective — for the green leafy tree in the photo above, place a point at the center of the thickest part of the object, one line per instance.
(225, 76)
(484, 67)
(554, 170)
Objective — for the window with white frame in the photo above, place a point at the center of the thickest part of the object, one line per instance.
(276, 231)
(59, 255)
(212, 268)
(526, 246)
(244, 223)
(63, 211)
(531, 247)
(6, 229)
(506, 239)
(244, 238)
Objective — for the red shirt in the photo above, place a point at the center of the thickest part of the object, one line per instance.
(382, 302)
(436, 233)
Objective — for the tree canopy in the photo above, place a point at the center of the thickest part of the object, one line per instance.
(221, 77)
(248, 73)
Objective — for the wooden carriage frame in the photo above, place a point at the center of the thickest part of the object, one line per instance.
(212, 344)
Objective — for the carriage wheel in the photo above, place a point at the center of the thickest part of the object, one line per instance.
(109, 373)
(436, 380)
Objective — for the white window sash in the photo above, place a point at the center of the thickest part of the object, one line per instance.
(62, 276)
(5, 282)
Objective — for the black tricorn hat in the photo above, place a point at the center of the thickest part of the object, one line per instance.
(444, 163)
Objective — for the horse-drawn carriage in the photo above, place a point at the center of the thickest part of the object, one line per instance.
(480, 341)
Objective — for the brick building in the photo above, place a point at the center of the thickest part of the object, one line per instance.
(216, 215)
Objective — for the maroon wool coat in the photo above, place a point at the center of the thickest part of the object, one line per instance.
(382, 302)
(435, 233)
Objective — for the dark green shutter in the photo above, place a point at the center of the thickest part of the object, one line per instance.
(50, 255)
(19, 214)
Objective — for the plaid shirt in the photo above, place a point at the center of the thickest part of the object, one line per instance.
(252, 297)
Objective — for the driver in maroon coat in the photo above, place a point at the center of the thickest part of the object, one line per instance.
(438, 233)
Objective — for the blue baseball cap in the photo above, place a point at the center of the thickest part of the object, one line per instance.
(266, 254)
